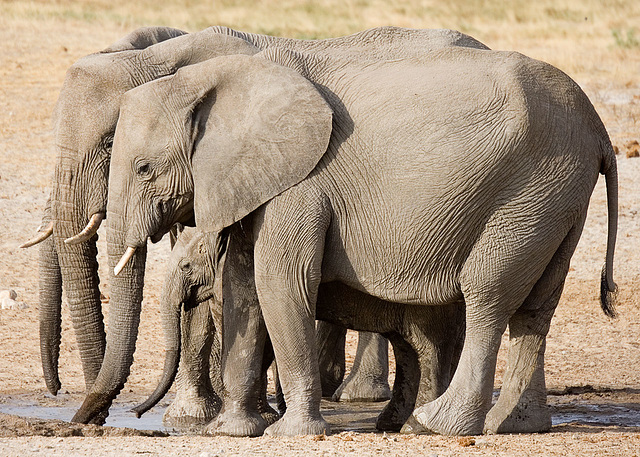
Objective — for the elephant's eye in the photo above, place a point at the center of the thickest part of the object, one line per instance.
(108, 142)
(185, 266)
(143, 169)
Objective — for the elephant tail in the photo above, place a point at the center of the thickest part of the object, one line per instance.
(608, 288)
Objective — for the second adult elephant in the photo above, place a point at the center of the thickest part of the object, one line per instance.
(465, 175)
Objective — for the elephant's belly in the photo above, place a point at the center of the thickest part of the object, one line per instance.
(383, 278)
(350, 308)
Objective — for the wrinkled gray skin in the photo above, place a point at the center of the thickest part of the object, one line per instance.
(464, 175)
(84, 123)
(87, 110)
(420, 335)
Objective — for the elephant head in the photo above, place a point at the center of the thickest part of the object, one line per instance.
(217, 139)
(85, 119)
(192, 270)
(84, 122)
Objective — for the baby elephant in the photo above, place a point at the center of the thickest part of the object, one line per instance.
(425, 347)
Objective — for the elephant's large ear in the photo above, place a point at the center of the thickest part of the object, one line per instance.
(142, 38)
(260, 128)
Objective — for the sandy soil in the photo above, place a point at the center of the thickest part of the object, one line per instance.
(593, 363)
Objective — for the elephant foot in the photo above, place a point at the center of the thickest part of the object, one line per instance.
(186, 412)
(392, 417)
(100, 419)
(413, 427)
(290, 425)
(362, 389)
(528, 415)
(269, 414)
(236, 424)
(446, 416)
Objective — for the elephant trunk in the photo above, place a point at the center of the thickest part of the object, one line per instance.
(50, 314)
(124, 318)
(73, 268)
(171, 323)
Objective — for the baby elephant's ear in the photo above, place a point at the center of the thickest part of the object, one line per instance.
(260, 129)
(213, 246)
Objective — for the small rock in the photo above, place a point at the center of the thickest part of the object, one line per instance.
(388, 438)
(8, 303)
(483, 442)
(466, 441)
(10, 293)
(217, 453)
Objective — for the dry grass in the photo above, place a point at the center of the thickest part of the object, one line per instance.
(611, 23)
(607, 32)
(596, 42)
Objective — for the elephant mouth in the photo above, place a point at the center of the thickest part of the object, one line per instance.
(167, 213)
(158, 236)
(203, 294)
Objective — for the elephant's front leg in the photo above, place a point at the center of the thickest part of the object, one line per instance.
(288, 258)
(244, 336)
(196, 402)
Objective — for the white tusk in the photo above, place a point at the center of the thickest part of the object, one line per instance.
(90, 230)
(40, 237)
(124, 260)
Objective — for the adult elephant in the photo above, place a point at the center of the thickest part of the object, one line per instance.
(425, 359)
(84, 122)
(464, 175)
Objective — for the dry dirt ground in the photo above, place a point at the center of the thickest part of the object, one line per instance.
(593, 363)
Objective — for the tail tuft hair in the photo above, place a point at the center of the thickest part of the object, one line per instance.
(608, 295)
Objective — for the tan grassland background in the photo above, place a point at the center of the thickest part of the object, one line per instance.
(591, 361)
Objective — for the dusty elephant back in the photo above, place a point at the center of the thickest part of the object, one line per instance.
(430, 153)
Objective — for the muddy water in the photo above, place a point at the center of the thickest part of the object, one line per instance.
(63, 409)
(342, 416)
(604, 415)
(587, 408)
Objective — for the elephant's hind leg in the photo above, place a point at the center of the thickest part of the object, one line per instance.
(496, 279)
(522, 405)
(331, 342)
(405, 386)
(368, 378)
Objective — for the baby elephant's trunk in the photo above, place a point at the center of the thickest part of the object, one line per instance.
(172, 330)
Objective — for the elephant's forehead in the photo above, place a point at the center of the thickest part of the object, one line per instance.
(143, 122)
(180, 251)
(189, 238)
